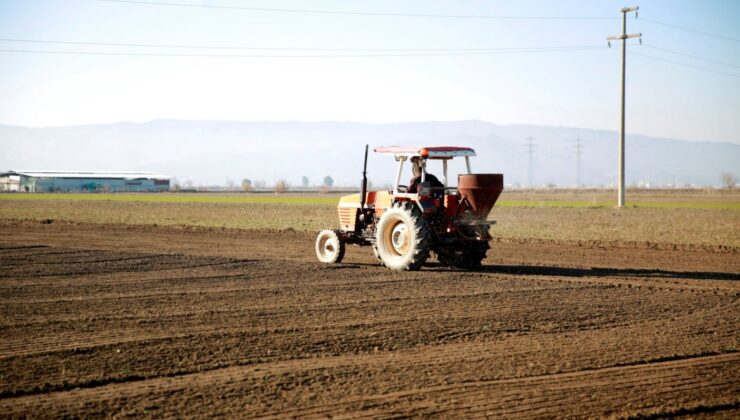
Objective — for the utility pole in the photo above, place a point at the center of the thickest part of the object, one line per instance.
(530, 150)
(624, 37)
(579, 151)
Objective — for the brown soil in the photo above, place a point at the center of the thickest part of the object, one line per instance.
(102, 320)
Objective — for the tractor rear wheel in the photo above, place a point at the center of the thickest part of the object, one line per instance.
(464, 255)
(402, 238)
(329, 247)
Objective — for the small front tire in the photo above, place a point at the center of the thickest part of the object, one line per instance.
(329, 247)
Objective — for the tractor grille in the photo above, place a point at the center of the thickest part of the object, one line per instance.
(347, 218)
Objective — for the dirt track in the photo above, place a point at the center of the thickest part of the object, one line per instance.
(117, 320)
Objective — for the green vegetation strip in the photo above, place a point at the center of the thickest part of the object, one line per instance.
(606, 204)
(179, 198)
(333, 200)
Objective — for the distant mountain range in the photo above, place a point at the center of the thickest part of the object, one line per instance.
(210, 152)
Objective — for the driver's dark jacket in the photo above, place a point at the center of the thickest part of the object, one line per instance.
(415, 181)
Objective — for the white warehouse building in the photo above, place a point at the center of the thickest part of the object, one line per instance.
(59, 181)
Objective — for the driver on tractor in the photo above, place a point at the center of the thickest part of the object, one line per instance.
(417, 168)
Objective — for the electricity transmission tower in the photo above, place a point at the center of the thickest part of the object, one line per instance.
(530, 151)
(624, 37)
(579, 152)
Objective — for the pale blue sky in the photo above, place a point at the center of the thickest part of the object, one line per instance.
(564, 88)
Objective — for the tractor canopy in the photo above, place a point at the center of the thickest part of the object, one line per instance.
(430, 152)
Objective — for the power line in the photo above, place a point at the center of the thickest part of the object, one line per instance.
(696, 31)
(437, 51)
(222, 47)
(691, 56)
(355, 13)
(412, 15)
(686, 65)
(422, 50)
(440, 54)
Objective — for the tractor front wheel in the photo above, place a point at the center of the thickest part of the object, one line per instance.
(402, 238)
(329, 247)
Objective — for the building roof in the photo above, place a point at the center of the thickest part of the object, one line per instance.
(432, 152)
(77, 175)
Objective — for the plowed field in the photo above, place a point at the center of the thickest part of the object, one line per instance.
(102, 320)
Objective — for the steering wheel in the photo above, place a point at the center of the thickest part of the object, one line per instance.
(403, 188)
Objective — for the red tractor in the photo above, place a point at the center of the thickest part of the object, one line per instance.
(408, 223)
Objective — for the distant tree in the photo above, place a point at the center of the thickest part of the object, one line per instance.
(259, 184)
(729, 180)
(246, 185)
(175, 185)
(281, 186)
(304, 181)
(327, 184)
(230, 184)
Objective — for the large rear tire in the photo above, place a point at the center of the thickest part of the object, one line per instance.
(329, 247)
(402, 238)
(464, 255)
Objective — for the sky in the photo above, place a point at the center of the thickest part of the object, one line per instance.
(688, 98)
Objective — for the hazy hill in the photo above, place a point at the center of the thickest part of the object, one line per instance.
(209, 152)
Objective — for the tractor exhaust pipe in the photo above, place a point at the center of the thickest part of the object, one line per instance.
(360, 215)
(363, 192)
